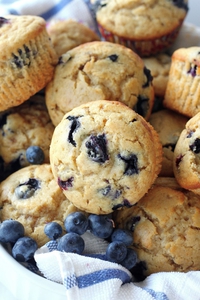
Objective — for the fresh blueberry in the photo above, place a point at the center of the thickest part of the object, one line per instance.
(101, 225)
(116, 252)
(71, 242)
(195, 147)
(11, 231)
(130, 260)
(76, 222)
(53, 230)
(35, 155)
(131, 164)
(97, 148)
(27, 189)
(24, 249)
(122, 235)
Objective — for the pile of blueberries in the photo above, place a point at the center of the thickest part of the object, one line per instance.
(76, 224)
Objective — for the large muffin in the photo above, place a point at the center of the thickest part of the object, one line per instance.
(99, 70)
(165, 225)
(31, 196)
(104, 156)
(27, 58)
(183, 87)
(147, 27)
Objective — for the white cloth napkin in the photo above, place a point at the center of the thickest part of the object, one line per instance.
(92, 278)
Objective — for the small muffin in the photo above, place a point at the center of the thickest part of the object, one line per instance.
(169, 126)
(186, 160)
(159, 66)
(165, 225)
(33, 197)
(99, 70)
(183, 87)
(67, 34)
(104, 156)
(147, 27)
(21, 127)
(26, 62)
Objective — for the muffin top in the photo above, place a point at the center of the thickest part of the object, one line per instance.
(16, 31)
(148, 18)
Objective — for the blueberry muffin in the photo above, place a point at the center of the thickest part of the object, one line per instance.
(67, 34)
(165, 226)
(147, 27)
(159, 65)
(27, 62)
(33, 197)
(99, 70)
(22, 128)
(104, 156)
(183, 87)
(169, 125)
(186, 161)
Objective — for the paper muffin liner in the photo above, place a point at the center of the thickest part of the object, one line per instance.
(144, 48)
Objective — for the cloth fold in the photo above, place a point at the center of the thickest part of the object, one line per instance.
(86, 277)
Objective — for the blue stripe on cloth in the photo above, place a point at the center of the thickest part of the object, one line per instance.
(70, 281)
(156, 295)
(101, 276)
(55, 9)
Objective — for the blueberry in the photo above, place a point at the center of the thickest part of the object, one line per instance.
(131, 163)
(130, 225)
(27, 189)
(178, 160)
(75, 124)
(130, 260)
(97, 148)
(107, 191)
(125, 203)
(195, 147)
(116, 252)
(53, 230)
(3, 21)
(193, 71)
(71, 242)
(113, 57)
(122, 235)
(101, 225)
(149, 77)
(65, 184)
(142, 105)
(24, 249)
(181, 4)
(11, 231)
(76, 222)
(35, 155)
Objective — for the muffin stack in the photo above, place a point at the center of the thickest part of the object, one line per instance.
(106, 126)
